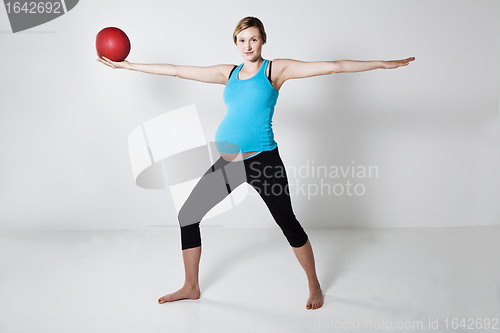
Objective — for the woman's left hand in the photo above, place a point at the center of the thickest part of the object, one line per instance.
(390, 64)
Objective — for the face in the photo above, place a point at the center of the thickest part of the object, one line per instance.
(250, 43)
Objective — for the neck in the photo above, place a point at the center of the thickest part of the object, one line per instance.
(253, 65)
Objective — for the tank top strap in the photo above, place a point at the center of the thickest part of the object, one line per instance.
(270, 66)
(263, 67)
(232, 70)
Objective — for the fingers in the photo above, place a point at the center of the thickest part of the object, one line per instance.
(407, 61)
(391, 64)
(404, 62)
(107, 62)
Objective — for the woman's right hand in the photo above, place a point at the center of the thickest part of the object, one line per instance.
(113, 64)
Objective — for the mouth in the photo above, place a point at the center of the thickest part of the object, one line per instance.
(248, 53)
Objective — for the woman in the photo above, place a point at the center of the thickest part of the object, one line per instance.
(245, 139)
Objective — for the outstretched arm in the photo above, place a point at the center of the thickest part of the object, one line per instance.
(211, 74)
(361, 66)
(287, 69)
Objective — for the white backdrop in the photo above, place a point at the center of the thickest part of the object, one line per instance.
(430, 129)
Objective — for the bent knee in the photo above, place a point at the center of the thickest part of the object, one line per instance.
(187, 217)
(295, 235)
(298, 240)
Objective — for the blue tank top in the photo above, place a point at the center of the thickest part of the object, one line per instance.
(250, 103)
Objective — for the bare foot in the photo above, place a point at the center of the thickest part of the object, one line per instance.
(315, 300)
(186, 292)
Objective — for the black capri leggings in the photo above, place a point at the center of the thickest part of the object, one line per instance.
(265, 172)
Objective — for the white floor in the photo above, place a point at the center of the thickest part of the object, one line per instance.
(373, 280)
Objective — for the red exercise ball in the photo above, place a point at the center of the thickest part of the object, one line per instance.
(112, 43)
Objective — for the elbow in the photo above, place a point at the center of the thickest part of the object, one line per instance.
(175, 71)
(336, 67)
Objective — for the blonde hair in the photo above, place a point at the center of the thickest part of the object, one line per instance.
(248, 22)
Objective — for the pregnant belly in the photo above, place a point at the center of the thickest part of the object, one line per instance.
(234, 137)
(236, 157)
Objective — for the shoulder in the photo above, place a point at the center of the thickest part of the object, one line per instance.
(225, 67)
(278, 72)
(283, 62)
(282, 65)
(296, 69)
(226, 70)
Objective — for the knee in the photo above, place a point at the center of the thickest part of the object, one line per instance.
(295, 235)
(190, 229)
(186, 217)
(298, 240)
